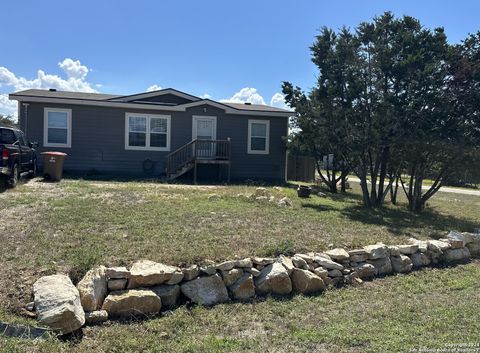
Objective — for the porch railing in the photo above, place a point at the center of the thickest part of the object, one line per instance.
(198, 149)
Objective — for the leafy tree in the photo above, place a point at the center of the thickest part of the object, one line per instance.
(387, 102)
(7, 120)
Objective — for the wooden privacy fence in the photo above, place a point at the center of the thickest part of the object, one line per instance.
(300, 168)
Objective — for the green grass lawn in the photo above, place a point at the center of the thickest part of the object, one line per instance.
(75, 224)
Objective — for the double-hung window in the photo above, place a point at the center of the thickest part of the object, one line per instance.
(258, 136)
(57, 127)
(147, 132)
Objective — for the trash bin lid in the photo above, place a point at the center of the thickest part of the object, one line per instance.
(54, 153)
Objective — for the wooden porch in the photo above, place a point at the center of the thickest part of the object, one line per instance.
(196, 152)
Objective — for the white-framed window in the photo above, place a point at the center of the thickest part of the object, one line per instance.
(147, 132)
(258, 136)
(57, 127)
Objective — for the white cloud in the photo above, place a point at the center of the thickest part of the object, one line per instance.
(75, 81)
(246, 94)
(74, 68)
(278, 100)
(7, 107)
(207, 96)
(153, 88)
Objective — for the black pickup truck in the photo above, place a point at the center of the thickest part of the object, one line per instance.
(16, 156)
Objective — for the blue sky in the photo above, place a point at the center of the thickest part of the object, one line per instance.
(214, 48)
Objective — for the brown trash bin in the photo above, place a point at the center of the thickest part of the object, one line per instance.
(53, 165)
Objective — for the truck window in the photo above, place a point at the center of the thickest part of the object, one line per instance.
(7, 137)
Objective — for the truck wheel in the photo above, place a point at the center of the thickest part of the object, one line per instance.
(33, 171)
(13, 181)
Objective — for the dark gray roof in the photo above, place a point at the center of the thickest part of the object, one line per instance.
(105, 97)
(255, 107)
(65, 94)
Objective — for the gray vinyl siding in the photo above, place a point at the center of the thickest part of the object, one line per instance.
(98, 141)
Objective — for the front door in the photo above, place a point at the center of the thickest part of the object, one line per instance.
(205, 128)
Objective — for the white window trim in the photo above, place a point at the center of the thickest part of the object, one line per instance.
(267, 140)
(148, 117)
(194, 125)
(69, 127)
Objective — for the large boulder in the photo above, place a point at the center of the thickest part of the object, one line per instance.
(377, 251)
(437, 246)
(306, 282)
(118, 272)
(169, 294)
(338, 254)
(456, 255)
(299, 262)
(474, 248)
(243, 288)
(206, 291)
(132, 303)
(147, 273)
(93, 288)
(401, 264)
(273, 279)
(57, 303)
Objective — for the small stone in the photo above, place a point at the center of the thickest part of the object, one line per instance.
(117, 272)
(407, 249)
(353, 278)
(96, 317)
(209, 269)
(307, 257)
(299, 262)
(168, 294)
(117, 284)
(261, 192)
(57, 303)
(206, 290)
(213, 197)
(420, 259)
(358, 255)
(286, 262)
(132, 303)
(437, 246)
(30, 306)
(93, 289)
(230, 277)
(401, 264)
(422, 245)
(253, 271)
(383, 266)
(225, 266)
(377, 251)
(177, 277)
(328, 264)
(455, 243)
(285, 202)
(243, 288)
(335, 273)
(338, 254)
(474, 248)
(147, 273)
(394, 250)
(273, 279)
(246, 262)
(261, 198)
(456, 255)
(365, 271)
(306, 282)
(263, 261)
(321, 272)
(190, 272)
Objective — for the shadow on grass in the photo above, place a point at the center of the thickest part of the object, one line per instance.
(398, 219)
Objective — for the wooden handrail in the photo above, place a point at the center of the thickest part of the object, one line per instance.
(197, 149)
